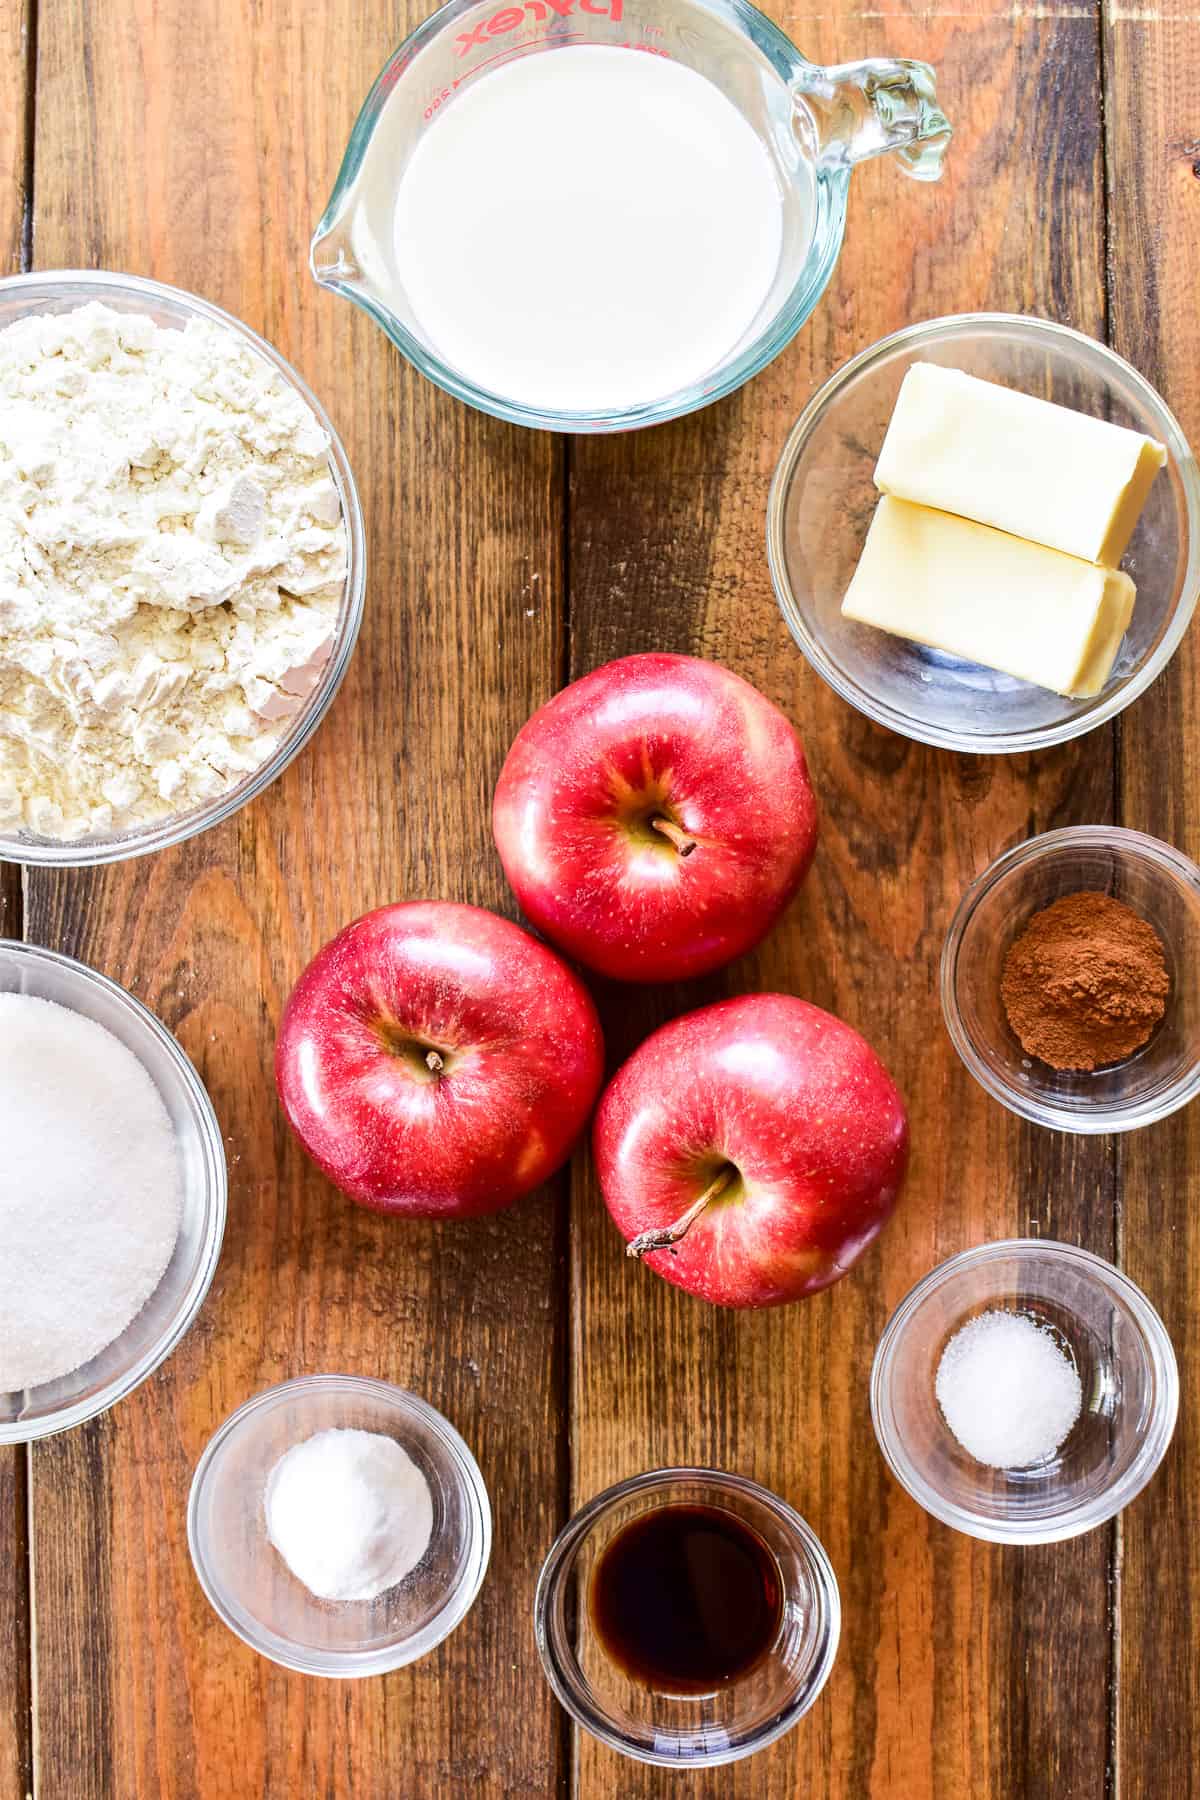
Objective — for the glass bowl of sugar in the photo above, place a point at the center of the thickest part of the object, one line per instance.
(1024, 1392)
(339, 1525)
(114, 1075)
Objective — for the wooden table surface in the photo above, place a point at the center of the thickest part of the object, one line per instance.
(196, 141)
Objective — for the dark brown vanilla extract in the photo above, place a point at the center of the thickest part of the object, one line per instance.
(686, 1599)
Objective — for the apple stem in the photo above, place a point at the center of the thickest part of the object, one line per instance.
(675, 835)
(433, 1062)
(667, 1236)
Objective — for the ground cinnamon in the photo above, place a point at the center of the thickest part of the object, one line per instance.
(1085, 983)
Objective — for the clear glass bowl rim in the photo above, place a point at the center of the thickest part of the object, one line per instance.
(459, 1601)
(65, 1418)
(911, 337)
(562, 1553)
(89, 284)
(829, 224)
(1081, 1518)
(1171, 862)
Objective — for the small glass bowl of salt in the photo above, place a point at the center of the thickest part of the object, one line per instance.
(1024, 1392)
(339, 1525)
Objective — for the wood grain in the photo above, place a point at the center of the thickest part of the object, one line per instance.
(950, 1676)
(16, 1738)
(1154, 219)
(198, 143)
(15, 84)
(10, 900)
(16, 1733)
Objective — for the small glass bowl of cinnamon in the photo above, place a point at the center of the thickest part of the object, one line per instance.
(1140, 1033)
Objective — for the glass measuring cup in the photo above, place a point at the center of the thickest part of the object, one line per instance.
(815, 124)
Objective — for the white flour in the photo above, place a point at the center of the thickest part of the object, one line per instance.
(90, 1190)
(172, 559)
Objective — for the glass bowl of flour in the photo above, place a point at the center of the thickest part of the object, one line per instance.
(126, 1235)
(182, 566)
(339, 1525)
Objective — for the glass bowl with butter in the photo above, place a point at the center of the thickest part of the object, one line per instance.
(132, 762)
(1053, 612)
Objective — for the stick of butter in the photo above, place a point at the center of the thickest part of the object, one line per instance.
(990, 598)
(1024, 465)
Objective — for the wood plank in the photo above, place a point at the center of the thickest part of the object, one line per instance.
(16, 1735)
(949, 1681)
(1154, 206)
(15, 62)
(201, 150)
(10, 900)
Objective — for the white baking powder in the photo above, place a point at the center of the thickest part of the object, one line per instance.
(90, 1190)
(349, 1512)
(1007, 1390)
(172, 560)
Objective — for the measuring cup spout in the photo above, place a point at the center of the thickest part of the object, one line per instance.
(862, 109)
(331, 256)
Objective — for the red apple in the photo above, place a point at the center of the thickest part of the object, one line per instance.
(435, 1060)
(655, 818)
(750, 1151)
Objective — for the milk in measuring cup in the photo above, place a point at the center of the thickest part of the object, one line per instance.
(587, 230)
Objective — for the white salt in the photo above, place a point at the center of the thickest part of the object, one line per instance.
(1007, 1390)
(90, 1190)
(350, 1513)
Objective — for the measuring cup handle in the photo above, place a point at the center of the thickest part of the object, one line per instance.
(862, 109)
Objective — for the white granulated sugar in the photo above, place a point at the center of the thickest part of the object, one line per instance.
(350, 1513)
(90, 1190)
(1007, 1390)
(172, 562)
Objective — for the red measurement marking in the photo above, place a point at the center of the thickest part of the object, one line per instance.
(509, 18)
(506, 55)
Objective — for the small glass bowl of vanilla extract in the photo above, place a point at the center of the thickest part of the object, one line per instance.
(687, 1617)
